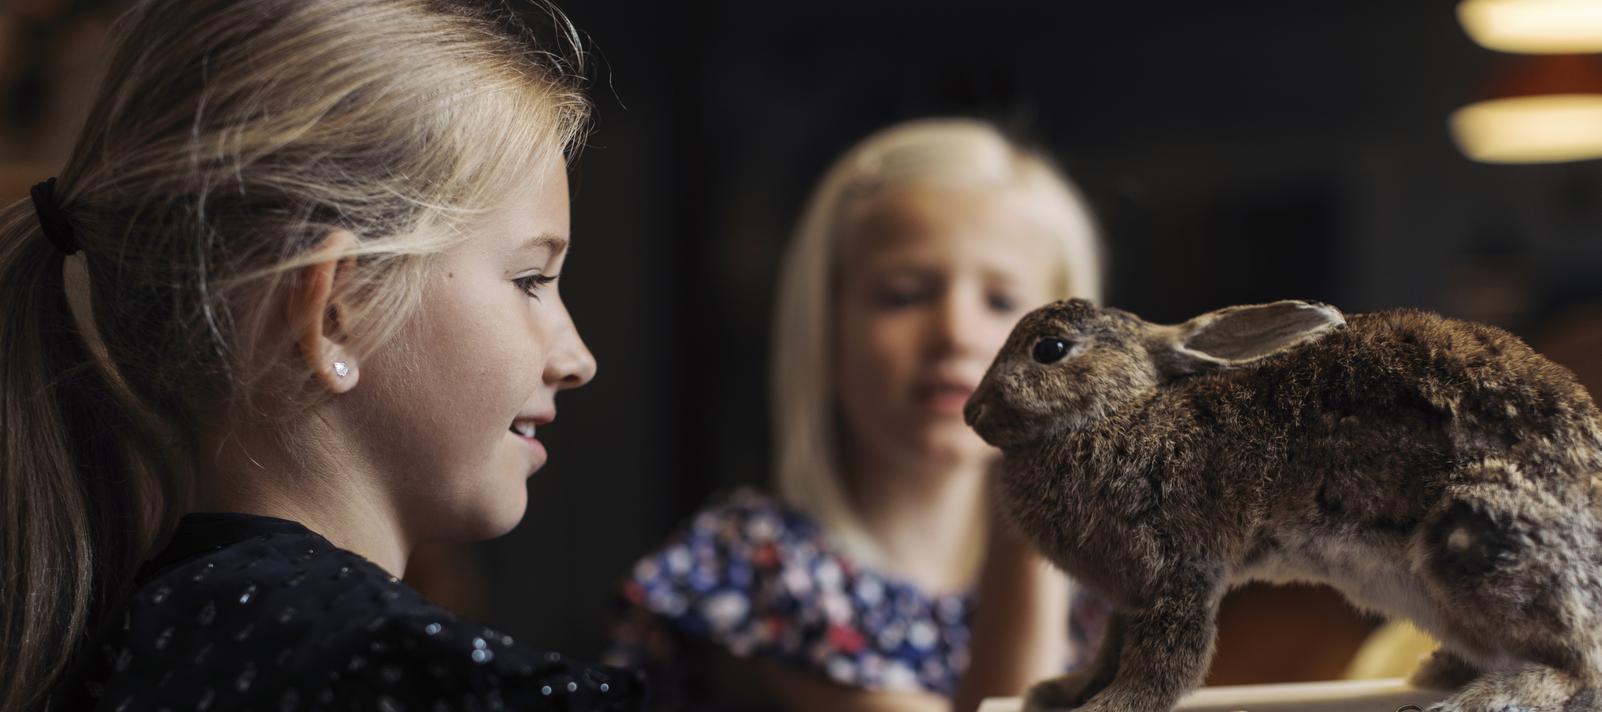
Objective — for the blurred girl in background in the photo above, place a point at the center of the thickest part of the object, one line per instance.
(877, 578)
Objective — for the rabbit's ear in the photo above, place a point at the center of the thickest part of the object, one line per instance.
(1235, 336)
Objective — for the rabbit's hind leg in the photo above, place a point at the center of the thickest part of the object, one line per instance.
(1515, 568)
(1514, 571)
(1529, 688)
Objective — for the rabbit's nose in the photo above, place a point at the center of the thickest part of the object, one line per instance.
(973, 412)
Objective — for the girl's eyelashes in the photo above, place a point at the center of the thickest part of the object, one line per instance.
(530, 284)
(893, 298)
(906, 297)
(903, 290)
(1001, 303)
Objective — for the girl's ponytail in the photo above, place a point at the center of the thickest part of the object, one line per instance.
(69, 495)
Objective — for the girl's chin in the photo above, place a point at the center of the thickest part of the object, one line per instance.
(954, 446)
(500, 515)
(498, 525)
(932, 445)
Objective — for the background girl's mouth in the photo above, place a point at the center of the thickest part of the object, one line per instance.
(945, 398)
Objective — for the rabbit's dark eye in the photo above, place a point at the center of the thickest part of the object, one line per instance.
(1051, 350)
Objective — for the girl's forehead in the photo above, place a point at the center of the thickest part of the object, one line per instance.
(532, 215)
(998, 224)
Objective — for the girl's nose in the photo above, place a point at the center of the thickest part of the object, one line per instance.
(570, 364)
(957, 327)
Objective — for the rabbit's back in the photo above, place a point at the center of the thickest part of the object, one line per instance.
(1487, 392)
(1370, 424)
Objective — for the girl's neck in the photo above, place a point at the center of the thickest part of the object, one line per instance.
(252, 475)
(927, 519)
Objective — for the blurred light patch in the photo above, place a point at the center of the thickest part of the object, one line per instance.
(1534, 26)
(1531, 129)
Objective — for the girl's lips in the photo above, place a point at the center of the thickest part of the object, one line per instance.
(945, 397)
(534, 444)
(526, 428)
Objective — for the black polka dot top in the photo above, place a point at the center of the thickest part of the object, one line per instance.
(244, 612)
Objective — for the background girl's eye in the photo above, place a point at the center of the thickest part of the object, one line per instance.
(897, 298)
(1001, 303)
(1051, 350)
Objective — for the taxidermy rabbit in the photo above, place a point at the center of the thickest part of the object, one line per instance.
(1428, 468)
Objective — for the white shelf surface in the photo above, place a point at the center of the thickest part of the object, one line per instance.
(1341, 696)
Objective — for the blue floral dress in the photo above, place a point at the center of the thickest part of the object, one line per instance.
(758, 579)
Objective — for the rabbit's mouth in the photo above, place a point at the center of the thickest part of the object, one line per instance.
(991, 423)
(1004, 424)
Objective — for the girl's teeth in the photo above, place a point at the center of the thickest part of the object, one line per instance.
(525, 430)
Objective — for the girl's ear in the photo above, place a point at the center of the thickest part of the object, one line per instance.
(318, 318)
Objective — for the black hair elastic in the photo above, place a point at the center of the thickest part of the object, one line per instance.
(51, 218)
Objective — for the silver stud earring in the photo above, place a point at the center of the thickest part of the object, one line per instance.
(340, 369)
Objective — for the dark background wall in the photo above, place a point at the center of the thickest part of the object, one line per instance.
(1235, 152)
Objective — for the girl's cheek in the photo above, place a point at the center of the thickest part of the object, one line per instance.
(999, 331)
(891, 339)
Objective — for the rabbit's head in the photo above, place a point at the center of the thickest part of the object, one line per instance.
(1069, 364)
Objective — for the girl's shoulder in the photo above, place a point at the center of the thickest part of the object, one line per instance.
(285, 619)
(759, 578)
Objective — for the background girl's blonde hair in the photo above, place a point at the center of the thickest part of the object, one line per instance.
(226, 140)
(939, 152)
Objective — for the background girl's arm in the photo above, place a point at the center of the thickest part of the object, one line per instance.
(1020, 623)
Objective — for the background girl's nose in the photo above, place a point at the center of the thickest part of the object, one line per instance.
(956, 321)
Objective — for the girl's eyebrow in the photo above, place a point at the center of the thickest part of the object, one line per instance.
(1000, 275)
(557, 245)
(903, 269)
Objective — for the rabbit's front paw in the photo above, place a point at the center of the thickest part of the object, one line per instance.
(1059, 693)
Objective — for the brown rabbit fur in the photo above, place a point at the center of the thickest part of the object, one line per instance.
(1431, 469)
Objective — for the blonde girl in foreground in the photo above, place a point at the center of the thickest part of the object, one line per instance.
(289, 310)
(877, 579)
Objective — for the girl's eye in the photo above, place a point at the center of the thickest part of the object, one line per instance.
(532, 283)
(900, 297)
(1001, 303)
